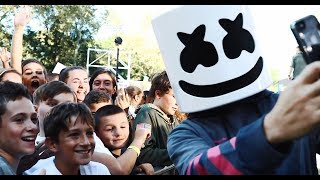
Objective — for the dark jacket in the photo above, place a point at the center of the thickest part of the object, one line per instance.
(230, 140)
(155, 150)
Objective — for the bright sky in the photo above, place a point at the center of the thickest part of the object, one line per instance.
(130, 19)
(272, 24)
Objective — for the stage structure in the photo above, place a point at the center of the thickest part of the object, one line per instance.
(107, 58)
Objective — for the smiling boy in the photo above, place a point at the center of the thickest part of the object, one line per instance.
(69, 131)
(18, 126)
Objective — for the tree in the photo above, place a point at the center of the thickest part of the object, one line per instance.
(66, 33)
(6, 25)
(145, 55)
(145, 61)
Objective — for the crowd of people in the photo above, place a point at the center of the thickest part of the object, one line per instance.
(73, 124)
(81, 124)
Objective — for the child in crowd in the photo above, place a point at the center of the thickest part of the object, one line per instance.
(11, 75)
(114, 130)
(136, 99)
(160, 114)
(104, 80)
(94, 100)
(97, 98)
(34, 74)
(44, 99)
(77, 78)
(53, 77)
(18, 126)
(69, 131)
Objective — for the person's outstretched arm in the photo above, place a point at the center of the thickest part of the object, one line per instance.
(22, 17)
(129, 157)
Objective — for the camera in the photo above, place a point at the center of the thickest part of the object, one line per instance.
(307, 33)
(301, 26)
(118, 41)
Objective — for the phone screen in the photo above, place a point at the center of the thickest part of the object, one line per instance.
(307, 34)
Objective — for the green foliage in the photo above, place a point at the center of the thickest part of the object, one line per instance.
(145, 55)
(67, 32)
(145, 60)
(6, 25)
(67, 35)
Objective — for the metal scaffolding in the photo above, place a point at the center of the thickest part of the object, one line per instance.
(103, 53)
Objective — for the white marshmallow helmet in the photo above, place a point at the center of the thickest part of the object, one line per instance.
(211, 54)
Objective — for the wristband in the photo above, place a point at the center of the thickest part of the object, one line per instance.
(135, 149)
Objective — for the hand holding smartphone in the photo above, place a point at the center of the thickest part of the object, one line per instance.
(307, 33)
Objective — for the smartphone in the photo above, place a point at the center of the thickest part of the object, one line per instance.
(307, 33)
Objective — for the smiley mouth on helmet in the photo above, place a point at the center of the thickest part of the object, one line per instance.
(226, 87)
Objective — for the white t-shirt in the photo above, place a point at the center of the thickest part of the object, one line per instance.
(92, 168)
(98, 148)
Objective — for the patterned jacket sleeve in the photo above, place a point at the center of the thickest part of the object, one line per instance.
(194, 153)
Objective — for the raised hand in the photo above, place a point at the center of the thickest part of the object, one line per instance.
(143, 132)
(297, 111)
(145, 129)
(122, 99)
(23, 16)
(4, 58)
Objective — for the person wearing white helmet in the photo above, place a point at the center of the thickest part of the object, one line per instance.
(235, 125)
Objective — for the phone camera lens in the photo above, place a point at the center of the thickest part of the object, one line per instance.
(301, 26)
